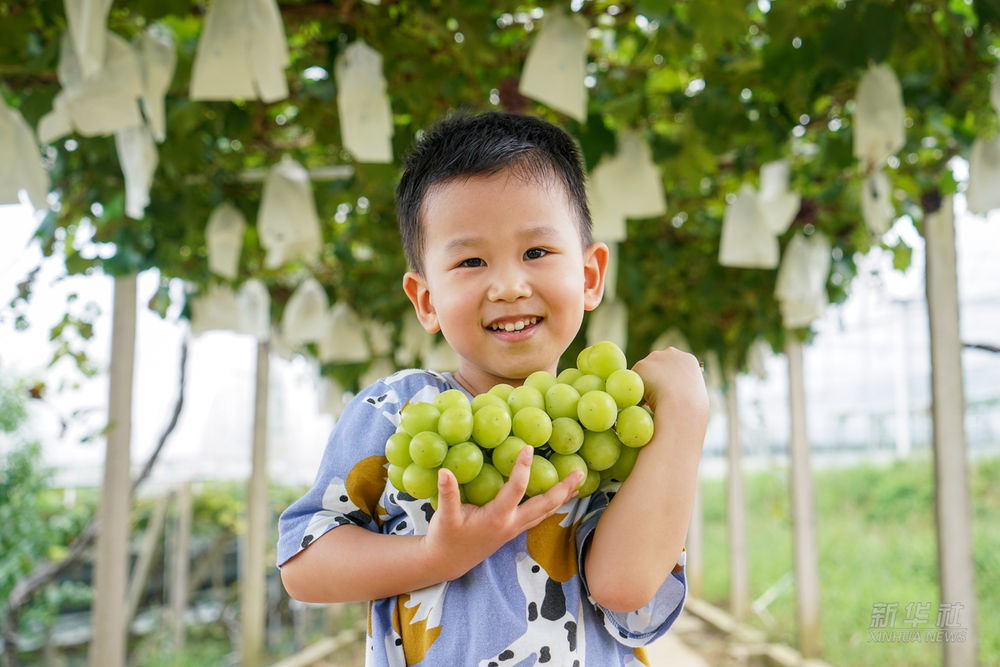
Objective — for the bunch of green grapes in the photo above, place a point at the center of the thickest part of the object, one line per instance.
(587, 418)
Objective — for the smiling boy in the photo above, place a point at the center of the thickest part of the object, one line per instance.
(495, 225)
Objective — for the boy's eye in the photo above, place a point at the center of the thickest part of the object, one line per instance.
(472, 262)
(535, 253)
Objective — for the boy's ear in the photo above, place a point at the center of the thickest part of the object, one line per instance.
(595, 263)
(420, 296)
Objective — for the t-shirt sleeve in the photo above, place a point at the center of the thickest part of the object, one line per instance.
(351, 476)
(650, 622)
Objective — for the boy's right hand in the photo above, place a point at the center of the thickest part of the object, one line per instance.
(460, 536)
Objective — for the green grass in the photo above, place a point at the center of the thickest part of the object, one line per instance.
(875, 528)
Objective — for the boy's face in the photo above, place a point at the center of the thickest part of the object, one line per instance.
(505, 278)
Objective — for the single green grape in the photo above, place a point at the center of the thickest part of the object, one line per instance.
(485, 486)
(451, 398)
(395, 473)
(634, 426)
(625, 386)
(597, 411)
(583, 360)
(567, 435)
(540, 380)
(542, 476)
(532, 425)
(397, 449)
(605, 358)
(561, 400)
(491, 425)
(588, 382)
(590, 484)
(623, 466)
(600, 449)
(501, 390)
(455, 424)
(505, 454)
(465, 460)
(567, 463)
(481, 400)
(428, 449)
(419, 416)
(420, 482)
(525, 397)
(569, 375)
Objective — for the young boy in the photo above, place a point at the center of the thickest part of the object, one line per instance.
(495, 224)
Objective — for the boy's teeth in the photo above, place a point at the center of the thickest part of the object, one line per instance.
(514, 326)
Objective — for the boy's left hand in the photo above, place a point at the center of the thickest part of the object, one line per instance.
(674, 382)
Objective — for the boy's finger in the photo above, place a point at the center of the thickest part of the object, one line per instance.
(449, 498)
(541, 506)
(513, 490)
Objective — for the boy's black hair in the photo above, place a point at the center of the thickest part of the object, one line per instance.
(465, 145)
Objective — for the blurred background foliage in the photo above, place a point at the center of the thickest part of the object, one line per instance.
(715, 88)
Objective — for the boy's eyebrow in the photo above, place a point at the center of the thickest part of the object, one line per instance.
(542, 232)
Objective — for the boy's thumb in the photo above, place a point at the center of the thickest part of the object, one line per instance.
(447, 487)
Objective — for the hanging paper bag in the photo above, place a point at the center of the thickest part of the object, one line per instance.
(365, 115)
(554, 70)
(343, 341)
(224, 238)
(441, 357)
(777, 205)
(606, 213)
(138, 159)
(305, 319)
(157, 59)
(380, 338)
(99, 104)
(878, 117)
(332, 397)
(609, 322)
(253, 309)
(414, 341)
(287, 221)
(876, 202)
(757, 358)
(746, 240)
(672, 337)
(801, 284)
(87, 23)
(242, 53)
(995, 90)
(20, 161)
(983, 194)
(214, 310)
(640, 180)
(379, 368)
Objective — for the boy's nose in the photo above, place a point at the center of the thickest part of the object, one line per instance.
(509, 285)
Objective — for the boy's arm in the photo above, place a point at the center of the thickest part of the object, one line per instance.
(350, 563)
(641, 534)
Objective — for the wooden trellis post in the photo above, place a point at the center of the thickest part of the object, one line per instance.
(253, 577)
(180, 572)
(736, 513)
(695, 546)
(956, 566)
(803, 510)
(109, 611)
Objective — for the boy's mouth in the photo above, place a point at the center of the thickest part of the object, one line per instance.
(511, 325)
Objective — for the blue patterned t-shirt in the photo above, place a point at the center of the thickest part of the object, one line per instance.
(526, 604)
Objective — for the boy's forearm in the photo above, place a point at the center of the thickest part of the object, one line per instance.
(351, 564)
(640, 536)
